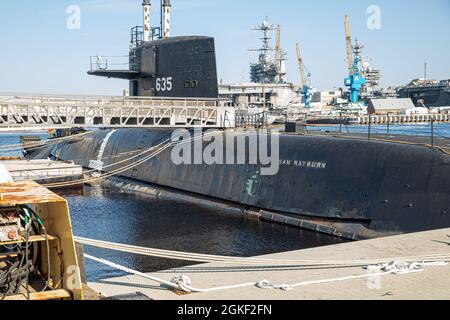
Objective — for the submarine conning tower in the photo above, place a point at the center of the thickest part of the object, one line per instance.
(163, 66)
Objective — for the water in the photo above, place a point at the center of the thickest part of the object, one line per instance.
(138, 220)
(13, 138)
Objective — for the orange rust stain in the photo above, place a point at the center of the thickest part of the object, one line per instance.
(27, 192)
(12, 190)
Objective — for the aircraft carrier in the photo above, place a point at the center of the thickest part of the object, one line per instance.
(428, 93)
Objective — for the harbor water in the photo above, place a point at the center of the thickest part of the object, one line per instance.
(8, 139)
(110, 215)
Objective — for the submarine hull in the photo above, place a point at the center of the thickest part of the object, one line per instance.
(387, 188)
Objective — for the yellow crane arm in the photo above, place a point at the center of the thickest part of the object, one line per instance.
(348, 39)
(278, 46)
(301, 66)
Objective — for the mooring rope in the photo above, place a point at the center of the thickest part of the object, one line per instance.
(141, 153)
(41, 144)
(127, 167)
(195, 257)
(162, 147)
(184, 283)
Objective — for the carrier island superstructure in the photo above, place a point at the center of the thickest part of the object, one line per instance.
(268, 86)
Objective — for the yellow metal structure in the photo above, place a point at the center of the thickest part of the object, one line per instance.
(65, 279)
(278, 47)
(301, 66)
(348, 40)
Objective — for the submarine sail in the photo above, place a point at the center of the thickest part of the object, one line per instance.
(164, 66)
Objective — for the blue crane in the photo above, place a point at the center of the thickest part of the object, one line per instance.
(306, 91)
(355, 80)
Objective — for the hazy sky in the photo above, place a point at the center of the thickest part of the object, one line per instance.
(39, 53)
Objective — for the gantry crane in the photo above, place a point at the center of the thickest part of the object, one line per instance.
(305, 79)
(355, 80)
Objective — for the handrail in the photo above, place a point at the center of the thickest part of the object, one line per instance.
(100, 99)
(104, 63)
(137, 35)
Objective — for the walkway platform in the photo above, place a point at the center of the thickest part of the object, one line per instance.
(433, 283)
(45, 171)
(53, 111)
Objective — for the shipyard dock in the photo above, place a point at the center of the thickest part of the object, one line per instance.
(314, 283)
(378, 119)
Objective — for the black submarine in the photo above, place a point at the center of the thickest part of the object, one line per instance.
(164, 66)
(354, 188)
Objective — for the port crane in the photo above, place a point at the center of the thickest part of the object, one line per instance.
(355, 81)
(280, 58)
(305, 79)
(278, 52)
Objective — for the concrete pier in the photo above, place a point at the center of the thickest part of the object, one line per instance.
(433, 283)
(403, 119)
(379, 119)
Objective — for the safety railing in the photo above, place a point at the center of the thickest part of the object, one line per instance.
(430, 129)
(67, 111)
(137, 35)
(104, 63)
(254, 120)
